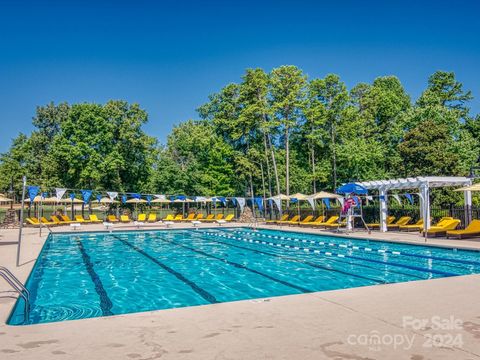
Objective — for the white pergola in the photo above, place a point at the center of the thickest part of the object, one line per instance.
(423, 184)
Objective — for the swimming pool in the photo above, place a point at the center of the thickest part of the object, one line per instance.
(86, 275)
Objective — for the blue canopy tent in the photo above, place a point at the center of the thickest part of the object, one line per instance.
(352, 188)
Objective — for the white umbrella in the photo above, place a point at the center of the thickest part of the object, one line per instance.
(474, 187)
(325, 195)
(136, 201)
(298, 196)
(160, 201)
(69, 201)
(281, 197)
(106, 200)
(5, 199)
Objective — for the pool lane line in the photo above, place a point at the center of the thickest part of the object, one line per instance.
(105, 302)
(421, 269)
(200, 291)
(314, 265)
(380, 251)
(333, 258)
(444, 273)
(238, 266)
(429, 257)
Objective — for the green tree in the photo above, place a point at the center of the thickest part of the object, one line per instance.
(443, 89)
(287, 96)
(196, 161)
(103, 147)
(382, 105)
(331, 95)
(256, 111)
(430, 149)
(84, 146)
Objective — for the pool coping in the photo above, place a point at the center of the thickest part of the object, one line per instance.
(309, 326)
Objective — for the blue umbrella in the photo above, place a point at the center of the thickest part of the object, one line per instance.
(352, 188)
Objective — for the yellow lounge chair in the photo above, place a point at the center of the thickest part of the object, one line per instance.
(209, 217)
(80, 219)
(229, 217)
(214, 218)
(470, 231)
(330, 221)
(66, 218)
(404, 220)
(336, 224)
(199, 217)
(124, 219)
(304, 221)
(152, 217)
(441, 224)
(442, 221)
(112, 218)
(33, 221)
(418, 226)
(318, 220)
(169, 217)
(448, 225)
(44, 221)
(293, 219)
(196, 218)
(283, 218)
(57, 221)
(178, 217)
(190, 217)
(390, 219)
(142, 217)
(94, 219)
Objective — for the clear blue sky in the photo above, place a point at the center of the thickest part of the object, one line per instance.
(169, 56)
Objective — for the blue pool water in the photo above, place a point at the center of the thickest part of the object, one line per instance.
(87, 275)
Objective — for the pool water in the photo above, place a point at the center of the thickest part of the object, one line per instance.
(88, 275)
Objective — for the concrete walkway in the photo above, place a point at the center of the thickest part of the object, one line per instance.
(395, 321)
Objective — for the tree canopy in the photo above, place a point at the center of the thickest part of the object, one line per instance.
(277, 132)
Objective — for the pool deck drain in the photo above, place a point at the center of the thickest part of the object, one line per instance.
(340, 324)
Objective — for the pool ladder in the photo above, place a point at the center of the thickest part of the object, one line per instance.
(17, 285)
(254, 223)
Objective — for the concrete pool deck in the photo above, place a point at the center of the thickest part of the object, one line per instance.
(433, 319)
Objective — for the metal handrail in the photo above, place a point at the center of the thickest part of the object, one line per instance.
(253, 224)
(46, 227)
(17, 285)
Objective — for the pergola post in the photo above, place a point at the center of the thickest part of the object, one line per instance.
(422, 205)
(425, 192)
(383, 209)
(467, 195)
